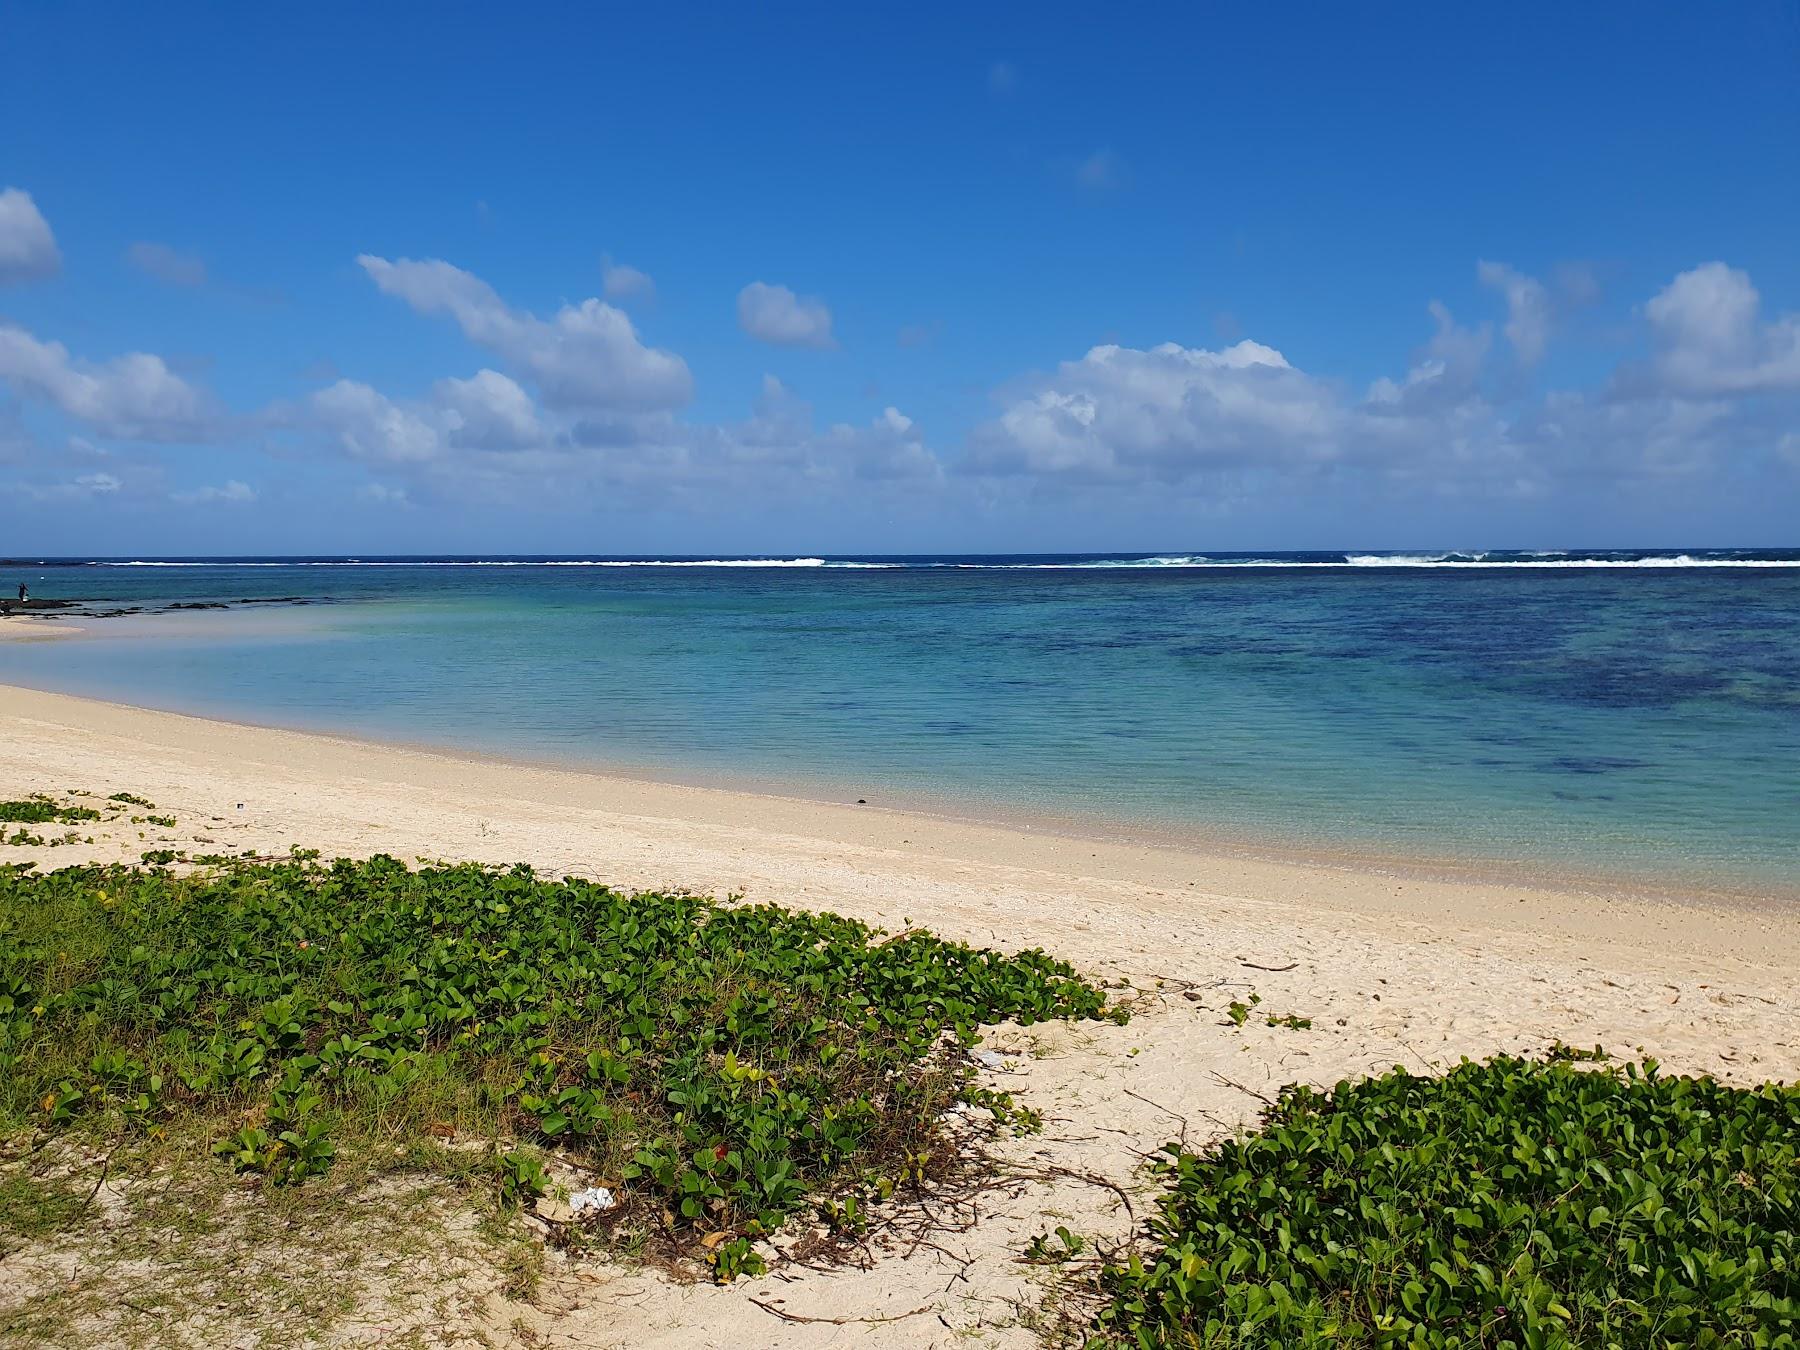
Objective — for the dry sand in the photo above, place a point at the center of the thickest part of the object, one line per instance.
(1391, 970)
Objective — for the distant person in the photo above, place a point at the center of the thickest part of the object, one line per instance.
(24, 593)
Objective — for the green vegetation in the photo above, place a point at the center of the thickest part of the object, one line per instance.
(1509, 1203)
(723, 1066)
(38, 809)
(1238, 1012)
(1067, 1247)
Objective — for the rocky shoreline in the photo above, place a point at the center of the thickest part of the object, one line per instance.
(100, 607)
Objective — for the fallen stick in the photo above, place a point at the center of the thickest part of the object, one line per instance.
(834, 1321)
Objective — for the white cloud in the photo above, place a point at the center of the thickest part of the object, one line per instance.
(27, 248)
(1447, 372)
(230, 493)
(84, 487)
(1528, 309)
(1222, 420)
(167, 265)
(488, 412)
(371, 426)
(648, 459)
(1573, 435)
(564, 417)
(586, 356)
(1710, 338)
(1162, 413)
(890, 447)
(774, 314)
(780, 435)
(135, 397)
(625, 283)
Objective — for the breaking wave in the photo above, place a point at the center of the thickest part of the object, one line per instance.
(1534, 558)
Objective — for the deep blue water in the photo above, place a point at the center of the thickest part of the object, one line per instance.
(1631, 713)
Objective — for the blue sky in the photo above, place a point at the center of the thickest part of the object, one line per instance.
(843, 278)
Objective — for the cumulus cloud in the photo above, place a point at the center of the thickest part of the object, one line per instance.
(1165, 413)
(774, 314)
(369, 425)
(576, 409)
(167, 265)
(1173, 415)
(1710, 336)
(1528, 309)
(890, 447)
(585, 356)
(27, 248)
(625, 283)
(780, 432)
(1445, 373)
(1243, 415)
(1218, 423)
(521, 454)
(134, 397)
(488, 412)
(229, 493)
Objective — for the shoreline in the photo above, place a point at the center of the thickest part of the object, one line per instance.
(34, 627)
(1347, 884)
(1548, 876)
(1384, 971)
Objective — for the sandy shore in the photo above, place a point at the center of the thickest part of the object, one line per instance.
(1391, 970)
(31, 628)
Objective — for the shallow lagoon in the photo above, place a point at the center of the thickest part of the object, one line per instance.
(1615, 719)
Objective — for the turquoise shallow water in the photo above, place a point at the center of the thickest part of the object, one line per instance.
(1594, 713)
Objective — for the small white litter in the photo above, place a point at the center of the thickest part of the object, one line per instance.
(594, 1200)
(990, 1059)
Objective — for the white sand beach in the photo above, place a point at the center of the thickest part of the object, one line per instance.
(1390, 969)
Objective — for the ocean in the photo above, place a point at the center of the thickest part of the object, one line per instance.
(1623, 716)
